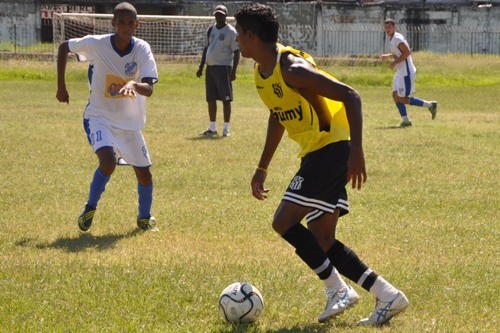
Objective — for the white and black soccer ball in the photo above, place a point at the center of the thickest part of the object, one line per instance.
(241, 302)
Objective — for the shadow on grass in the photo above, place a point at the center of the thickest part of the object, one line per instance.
(308, 328)
(392, 127)
(81, 243)
(202, 138)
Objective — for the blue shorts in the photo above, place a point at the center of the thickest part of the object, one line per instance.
(321, 180)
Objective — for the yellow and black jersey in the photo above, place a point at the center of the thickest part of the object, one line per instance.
(295, 113)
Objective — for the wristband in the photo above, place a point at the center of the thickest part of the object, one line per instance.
(262, 169)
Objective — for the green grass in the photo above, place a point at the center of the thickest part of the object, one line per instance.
(427, 219)
(36, 48)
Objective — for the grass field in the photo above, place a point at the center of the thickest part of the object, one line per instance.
(427, 219)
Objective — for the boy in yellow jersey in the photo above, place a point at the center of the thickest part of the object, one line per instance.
(324, 117)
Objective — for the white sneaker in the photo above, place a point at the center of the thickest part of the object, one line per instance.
(226, 132)
(337, 302)
(384, 311)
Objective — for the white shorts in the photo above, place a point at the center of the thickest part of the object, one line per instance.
(404, 85)
(129, 146)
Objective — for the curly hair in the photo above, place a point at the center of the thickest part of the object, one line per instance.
(260, 19)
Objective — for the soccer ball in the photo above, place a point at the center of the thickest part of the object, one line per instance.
(241, 302)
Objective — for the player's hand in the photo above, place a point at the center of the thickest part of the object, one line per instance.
(62, 96)
(129, 89)
(199, 73)
(257, 184)
(356, 169)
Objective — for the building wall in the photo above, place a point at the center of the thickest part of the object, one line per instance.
(14, 15)
(340, 27)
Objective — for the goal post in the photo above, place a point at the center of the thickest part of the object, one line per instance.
(166, 34)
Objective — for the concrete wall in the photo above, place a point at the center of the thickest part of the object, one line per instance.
(356, 27)
(438, 29)
(322, 28)
(14, 16)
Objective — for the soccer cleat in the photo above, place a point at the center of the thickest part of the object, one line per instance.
(337, 302)
(209, 133)
(226, 132)
(405, 123)
(147, 223)
(86, 217)
(433, 109)
(384, 311)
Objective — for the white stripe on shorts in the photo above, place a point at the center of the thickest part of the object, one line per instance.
(314, 215)
(313, 203)
(343, 204)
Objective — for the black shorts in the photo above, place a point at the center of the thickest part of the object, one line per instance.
(321, 180)
(218, 85)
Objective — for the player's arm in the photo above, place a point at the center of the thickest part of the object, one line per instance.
(311, 83)
(386, 56)
(132, 88)
(405, 53)
(202, 62)
(236, 61)
(273, 137)
(62, 94)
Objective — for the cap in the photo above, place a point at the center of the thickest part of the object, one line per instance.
(221, 9)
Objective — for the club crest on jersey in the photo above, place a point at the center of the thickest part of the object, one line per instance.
(296, 183)
(130, 68)
(221, 37)
(278, 91)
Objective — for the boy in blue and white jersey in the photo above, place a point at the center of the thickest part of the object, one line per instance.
(122, 72)
(404, 80)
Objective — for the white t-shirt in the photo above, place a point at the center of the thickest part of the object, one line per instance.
(406, 67)
(221, 45)
(110, 69)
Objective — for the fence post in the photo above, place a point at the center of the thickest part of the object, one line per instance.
(319, 34)
(15, 38)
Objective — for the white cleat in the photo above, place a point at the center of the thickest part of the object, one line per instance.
(384, 311)
(337, 302)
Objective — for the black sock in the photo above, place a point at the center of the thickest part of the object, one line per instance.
(307, 248)
(348, 264)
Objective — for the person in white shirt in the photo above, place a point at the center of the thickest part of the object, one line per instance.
(122, 72)
(404, 80)
(222, 55)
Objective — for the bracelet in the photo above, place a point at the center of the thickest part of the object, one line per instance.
(263, 170)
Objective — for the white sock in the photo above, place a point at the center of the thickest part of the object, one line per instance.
(383, 290)
(226, 126)
(334, 281)
(427, 104)
(405, 118)
(213, 126)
